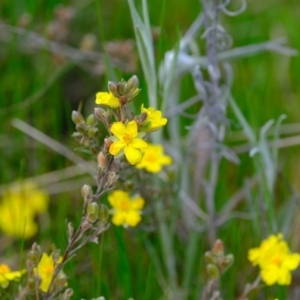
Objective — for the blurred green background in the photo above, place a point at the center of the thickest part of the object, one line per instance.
(55, 55)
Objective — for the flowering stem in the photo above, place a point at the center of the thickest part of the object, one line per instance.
(250, 287)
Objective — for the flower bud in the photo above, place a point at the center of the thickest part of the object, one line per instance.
(81, 127)
(226, 262)
(55, 255)
(218, 248)
(102, 161)
(34, 255)
(100, 114)
(33, 258)
(95, 149)
(86, 225)
(32, 283)
(132, 87)
(107, 143)
(92, 132)
(91, 120)
(59, 283)
(210, 257)
(132, 84)
(70, 230)
(103, 213)
(86, 191)
(77, 117)
(121, 88)
(140, 119)
(113, 88)
(212, 271)
(68, 293)
(111, 179)
(92, 212)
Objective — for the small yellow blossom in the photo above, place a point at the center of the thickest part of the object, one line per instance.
(127, 140)
(45, 270)
(154, 119)
(6, 275)
(275, 260)
(107, 99)
(18, 208)
(153, 159)
(126, 211)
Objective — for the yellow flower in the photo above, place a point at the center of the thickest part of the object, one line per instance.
(45, 271)
(6, 275)
(126, 211)
(107, 99)
(153, 159)
(18, 208)
(127, 140)
(154, 119)
(275, 260)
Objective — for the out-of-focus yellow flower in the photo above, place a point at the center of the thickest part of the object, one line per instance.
(18, 208)
(107, 99)
(127, 140)
(126, 211)
(154, 119)
(275, 260)
(154, 158)
(6, 275)
(45, 270)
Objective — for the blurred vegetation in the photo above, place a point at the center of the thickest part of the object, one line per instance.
(93, 42)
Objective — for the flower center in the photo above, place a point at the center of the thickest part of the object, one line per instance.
(124, 205)
(127, 138)
(277, 261)
(151, 157)
(49, 270)
(4, 269)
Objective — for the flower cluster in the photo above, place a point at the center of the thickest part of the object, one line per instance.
(126, 210)
(126, 130)
(44, 272)
(275, 260)
(18, 208)
(126, 137)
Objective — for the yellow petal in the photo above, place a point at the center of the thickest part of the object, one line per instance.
(108, 99)
(269, 275)
(133, 218)
(291, 261)
(284, 277)
(116, 197)
(116, 147)
(165, 160)
(132, 154)
(137, 203)
(119, 218)
(132, 128)
(138, 143)
(118, 129)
